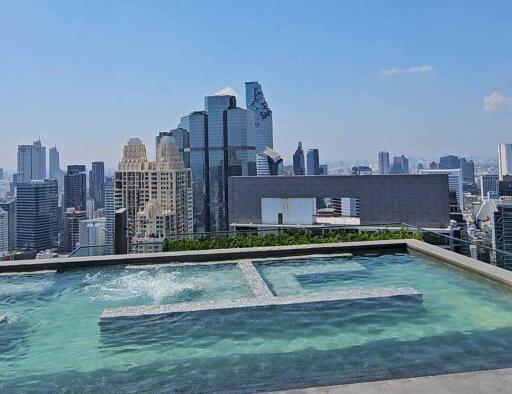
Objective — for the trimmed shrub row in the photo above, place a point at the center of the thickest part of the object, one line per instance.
(288, 237)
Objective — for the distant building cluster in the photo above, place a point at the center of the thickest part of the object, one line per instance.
(218, 170)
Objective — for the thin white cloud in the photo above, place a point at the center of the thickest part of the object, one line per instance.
(226, 91)
(409, 70)
(496, 102)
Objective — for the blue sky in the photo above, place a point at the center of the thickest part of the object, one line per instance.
(350, 78)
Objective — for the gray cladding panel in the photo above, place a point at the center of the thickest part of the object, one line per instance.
(420, 200)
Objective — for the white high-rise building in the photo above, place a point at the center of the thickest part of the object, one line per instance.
(90, 208)
(92, 234)
(504, 160)
(4, 232)
(454, 183)
(164, 183)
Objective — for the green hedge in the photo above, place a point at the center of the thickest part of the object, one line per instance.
(285, 238)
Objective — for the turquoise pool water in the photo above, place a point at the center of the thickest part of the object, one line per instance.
(51, 339)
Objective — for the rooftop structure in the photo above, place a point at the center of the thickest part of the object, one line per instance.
(454, 183)
(382, 199)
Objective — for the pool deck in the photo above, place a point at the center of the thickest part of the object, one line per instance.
(491, 382)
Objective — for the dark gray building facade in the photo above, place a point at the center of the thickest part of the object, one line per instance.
(97, 184)
(313, 162)
(420, 200)
(36, 214)
(75, 189)
(298, 160)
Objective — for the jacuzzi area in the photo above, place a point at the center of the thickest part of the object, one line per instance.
(261, 322)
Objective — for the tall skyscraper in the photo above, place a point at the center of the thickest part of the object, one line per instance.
(400, 165)
(197, 126)
(110, 214)
(298, 160)
(36, 214)
(383, 163)
(231, 152)
(221, 145)
(31, 162)
(255, 102)
(4, 232)
(72, 219)
(55, 171)
(54, 163)
(164, 182)
(313, 162)
(97, 184)
(488, 183)
(75, 189)
(504, 160)
(9, 206)
(1, 174)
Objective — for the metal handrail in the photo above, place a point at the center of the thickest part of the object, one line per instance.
(457, 239)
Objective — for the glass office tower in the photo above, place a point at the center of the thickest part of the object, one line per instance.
(36, 214)
(255, 102)
(197, 126)
(313, 162)
(75, 189)
(221, 145)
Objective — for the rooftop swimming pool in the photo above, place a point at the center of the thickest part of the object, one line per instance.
(52, 338)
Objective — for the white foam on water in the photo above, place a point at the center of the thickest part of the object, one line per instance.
(24, 286)
(128, 285)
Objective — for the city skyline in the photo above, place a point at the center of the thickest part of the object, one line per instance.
(325, 76)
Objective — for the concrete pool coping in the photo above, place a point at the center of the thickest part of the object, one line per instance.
(213, 256)
(475, 382)
(226, 256)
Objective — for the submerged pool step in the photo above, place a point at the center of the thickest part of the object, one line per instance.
(258, 286)
(407, 294)
(291, 274)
